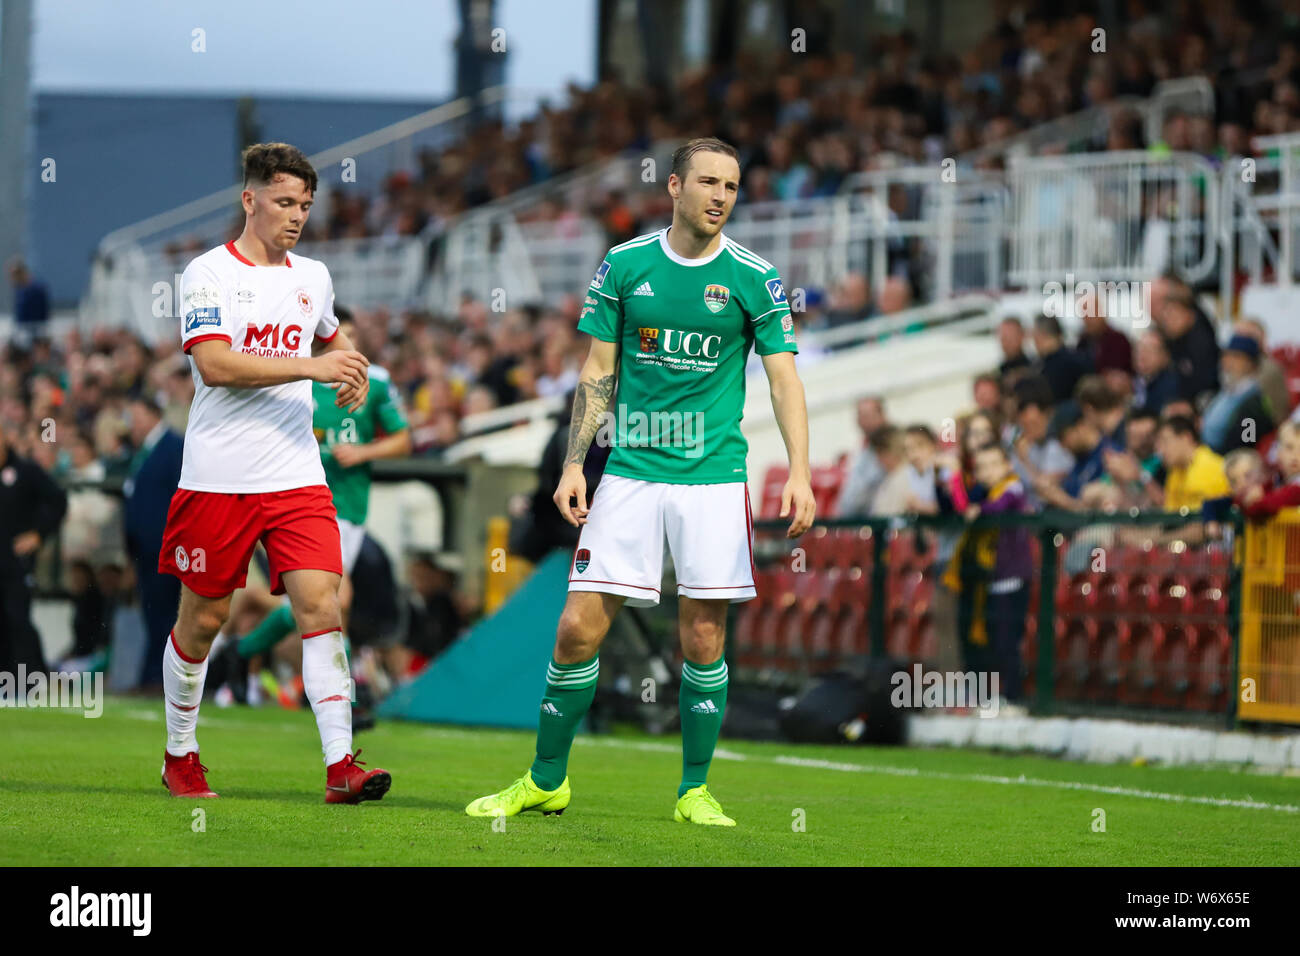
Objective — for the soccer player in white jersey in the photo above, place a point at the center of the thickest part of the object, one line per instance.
(673, 316)
(258, 324)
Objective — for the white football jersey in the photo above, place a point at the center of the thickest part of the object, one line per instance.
(252, 440)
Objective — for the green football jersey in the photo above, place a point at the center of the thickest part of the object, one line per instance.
(381, 414)
(684, 328)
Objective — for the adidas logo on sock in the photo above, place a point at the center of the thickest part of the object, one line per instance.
(705, 707)
(644, 289)
(550, 710)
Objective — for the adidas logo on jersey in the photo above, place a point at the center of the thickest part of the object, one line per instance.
(644, 289)
(550, 710)
(705, 707)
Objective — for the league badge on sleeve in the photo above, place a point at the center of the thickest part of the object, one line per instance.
(776, 291)
(599, 279)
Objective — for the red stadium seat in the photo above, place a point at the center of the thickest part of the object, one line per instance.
(773, 484)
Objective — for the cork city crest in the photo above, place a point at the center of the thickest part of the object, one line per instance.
(582, 559)
(649, 340)
(716, 297)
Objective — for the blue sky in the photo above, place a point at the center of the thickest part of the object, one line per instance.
(328, 48)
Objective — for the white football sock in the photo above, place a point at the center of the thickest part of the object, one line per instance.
(182, 692)
(328, 685)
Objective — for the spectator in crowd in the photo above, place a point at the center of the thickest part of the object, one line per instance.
(31, 508)
(1081, 437)
(896, 487)
(1133, 473)
(850, 300)
(1011, 339)
(91, 624)
(1239, 414)
(1192, 345)
(435, 616)
(1106, 347)
(932, 489)
(1248, 478)
(988, 394)
(31, 303)
(865, 472)
(1156, 382)
(154, 477)
(1269, 372)
(1062, 367)
(1247, 475)
(991, 571)
(1036, 455)
(1193, 472)
(1104, 408)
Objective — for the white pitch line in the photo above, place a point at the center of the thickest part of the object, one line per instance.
(842, 767)
(789, 760)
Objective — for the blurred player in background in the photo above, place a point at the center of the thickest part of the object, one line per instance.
(672, 316)
(349, 442)
(259, 327)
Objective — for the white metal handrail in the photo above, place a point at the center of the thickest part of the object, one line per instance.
(1114, 215)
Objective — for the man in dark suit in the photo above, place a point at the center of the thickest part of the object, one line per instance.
(1060, 365)
(155, 473)
(32, 507)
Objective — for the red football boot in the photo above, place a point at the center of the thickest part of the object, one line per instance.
(183, 776)
(346, 782)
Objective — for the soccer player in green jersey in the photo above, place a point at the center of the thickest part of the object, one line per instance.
(672, 316)
(349, 441)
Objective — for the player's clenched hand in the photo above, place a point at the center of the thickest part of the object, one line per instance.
(573, 485)
(799, 494)
(341, 366)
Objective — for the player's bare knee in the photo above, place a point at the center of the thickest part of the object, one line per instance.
(703, 641)
(577, 637)
(316, 611)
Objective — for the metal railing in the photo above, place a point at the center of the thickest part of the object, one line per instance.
(1113, 216)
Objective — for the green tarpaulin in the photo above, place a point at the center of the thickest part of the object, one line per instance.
(496, 674)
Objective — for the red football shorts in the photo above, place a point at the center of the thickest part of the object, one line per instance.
(210, 536)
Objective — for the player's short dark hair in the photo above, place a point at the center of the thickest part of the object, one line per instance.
(1181, 425)
(344, 314)
(683, 154)
(264, 161)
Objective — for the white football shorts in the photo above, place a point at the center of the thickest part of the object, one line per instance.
(350, 538)
(708, 530)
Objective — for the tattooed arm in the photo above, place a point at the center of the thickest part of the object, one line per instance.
(590, 402)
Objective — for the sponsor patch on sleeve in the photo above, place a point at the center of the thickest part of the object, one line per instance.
(776, 291)
(599, 279)
(200, 318)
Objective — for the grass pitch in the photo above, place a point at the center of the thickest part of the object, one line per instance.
(78, 792)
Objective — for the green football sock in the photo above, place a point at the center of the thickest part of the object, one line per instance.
(570, 689)
(274, 628)
(701, 702)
